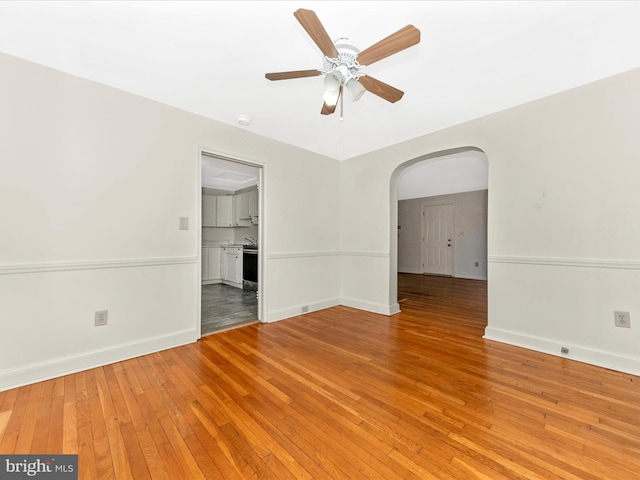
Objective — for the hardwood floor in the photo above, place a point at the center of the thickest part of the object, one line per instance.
(340, 394)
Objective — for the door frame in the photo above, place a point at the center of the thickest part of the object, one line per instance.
(262, 242)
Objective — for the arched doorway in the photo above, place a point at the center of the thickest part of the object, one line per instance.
(444, 192)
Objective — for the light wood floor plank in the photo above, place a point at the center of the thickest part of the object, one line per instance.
(69, 422)
(4, 422)
(152, 457)
(27, 429)
(121, 462)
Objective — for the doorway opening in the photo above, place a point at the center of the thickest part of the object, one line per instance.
(230, 260)
(441, 216)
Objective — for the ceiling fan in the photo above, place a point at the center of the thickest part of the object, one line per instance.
(343, 63)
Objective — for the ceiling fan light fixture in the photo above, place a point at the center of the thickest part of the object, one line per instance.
(330, 97)
(356, 90)
(333, 81)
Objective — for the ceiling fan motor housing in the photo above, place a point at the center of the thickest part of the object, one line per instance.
(346, 66)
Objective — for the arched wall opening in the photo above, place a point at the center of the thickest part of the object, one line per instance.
(447, 182)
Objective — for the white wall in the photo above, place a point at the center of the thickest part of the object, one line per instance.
(469, 233)
(302, 241)
(563, 233)
(92, 183)
(365, 235)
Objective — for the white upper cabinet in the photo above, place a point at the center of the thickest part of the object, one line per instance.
(239, 210)
(241, 217)
(209, 211)
(245, 205)
(224, 211)
(253, 205)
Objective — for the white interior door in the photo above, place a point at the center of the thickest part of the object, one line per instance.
(437, 236)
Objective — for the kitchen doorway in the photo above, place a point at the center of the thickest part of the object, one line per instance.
(230, 241)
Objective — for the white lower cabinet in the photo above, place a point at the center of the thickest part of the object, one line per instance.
(232, 266)
(211, 265)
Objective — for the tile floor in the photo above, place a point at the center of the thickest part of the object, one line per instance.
(225, 307)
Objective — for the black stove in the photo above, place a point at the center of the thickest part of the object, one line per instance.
(250, 267)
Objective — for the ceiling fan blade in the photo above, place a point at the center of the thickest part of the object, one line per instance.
(310, 22)
(381, 89)
(292, 74)
(327, 109)
(404, 38)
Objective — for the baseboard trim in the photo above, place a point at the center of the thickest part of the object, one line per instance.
(469, 276)
(413, 271)
(581, 354)
(38, 372)
(371, 307)
(294, 311)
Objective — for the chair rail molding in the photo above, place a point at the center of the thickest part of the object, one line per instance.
(567, 262)
(11, 269)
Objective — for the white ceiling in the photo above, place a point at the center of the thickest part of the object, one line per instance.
(459, 172)
(227, 175)
(210, 57)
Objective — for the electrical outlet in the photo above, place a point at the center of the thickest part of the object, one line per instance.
(622, 319)
(101, 318)
(183, 224)
(305, 308)
(564, 350)
(477, 264)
